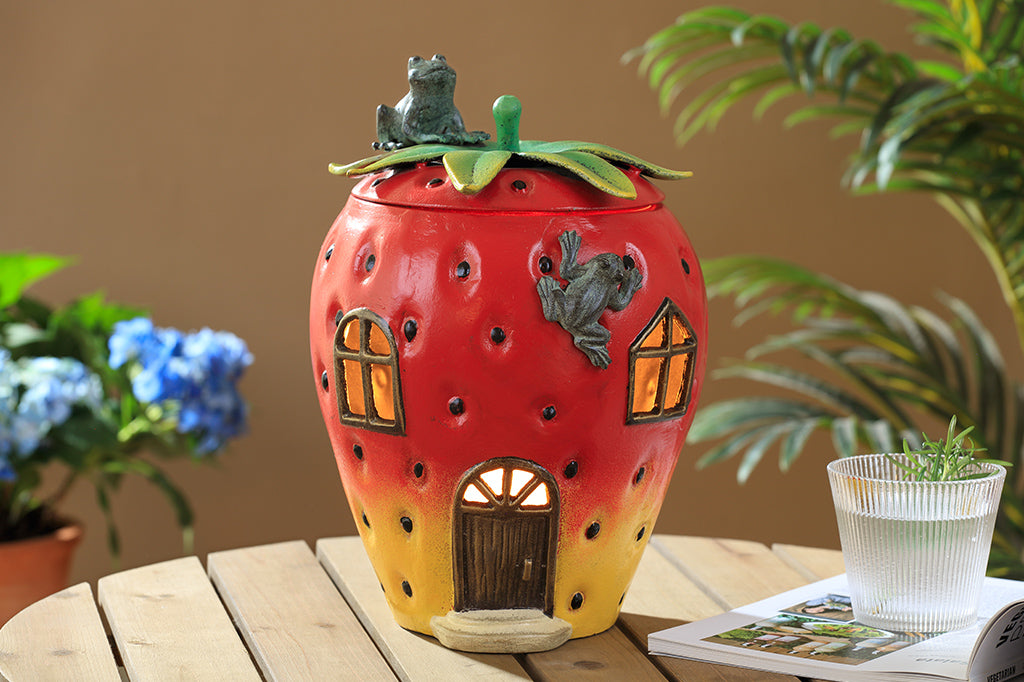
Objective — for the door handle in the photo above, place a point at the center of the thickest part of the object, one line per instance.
(527, 569)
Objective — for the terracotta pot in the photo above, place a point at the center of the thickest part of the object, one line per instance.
(34, 568)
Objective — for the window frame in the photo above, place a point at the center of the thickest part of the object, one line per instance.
(372, 420)
(667, 352)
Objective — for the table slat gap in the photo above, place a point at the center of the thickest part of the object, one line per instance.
(294, 620)
(148, 608)
(412, 656)
(609, 655)
(58, 638)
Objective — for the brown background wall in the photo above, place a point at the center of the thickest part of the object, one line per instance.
(179, 150)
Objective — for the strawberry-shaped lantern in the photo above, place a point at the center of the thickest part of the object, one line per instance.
(508, 341)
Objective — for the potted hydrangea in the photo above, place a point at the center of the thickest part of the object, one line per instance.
(93, 390)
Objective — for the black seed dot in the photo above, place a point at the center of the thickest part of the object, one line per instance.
(417, 470)
(640, 535)
(366, 521)
(622, 598)
(456, 406)
(571, 469)
(358, 450)
(497, 335)
(371, 260)
(323, 381)
(377, 182)
(549, 412)
(337, 317)
(544, 264)
(434, 182)
(518, 185)
(330, 252)
(382, 588)
(577, 601)
(407, 588)
(628, 262)
(686, 266)
(592, 530)
(410, 330)
(462, 270)
(639, 475)
(406, 524)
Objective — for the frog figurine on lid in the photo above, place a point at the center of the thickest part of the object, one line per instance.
(508, 340)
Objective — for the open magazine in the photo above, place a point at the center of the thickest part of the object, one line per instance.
(810, 632)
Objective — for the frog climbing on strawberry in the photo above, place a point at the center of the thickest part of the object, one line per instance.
(602, 282)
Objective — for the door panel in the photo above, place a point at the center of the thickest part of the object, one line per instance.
(505, 560)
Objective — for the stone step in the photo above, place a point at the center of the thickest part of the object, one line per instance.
(509, 631)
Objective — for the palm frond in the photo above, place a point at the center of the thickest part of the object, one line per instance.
(952, 127)
(881, 367)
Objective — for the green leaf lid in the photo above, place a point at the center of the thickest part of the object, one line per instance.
(472, 167)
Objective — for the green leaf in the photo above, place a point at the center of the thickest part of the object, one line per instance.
(717, 419)
(472, 170)
(18, 271)
(844, 436)
(794, 444)
(755, 452)
(414, 154)
(591, 168)
(607, 153)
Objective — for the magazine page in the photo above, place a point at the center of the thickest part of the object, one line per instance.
(999, 653)
(811, 631)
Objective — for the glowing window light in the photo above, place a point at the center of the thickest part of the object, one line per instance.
(538, 498)
(369, 393)
(494, 479)
(519, 480)
(473, 494)
(661, 367)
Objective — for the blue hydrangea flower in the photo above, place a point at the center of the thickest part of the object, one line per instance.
(198, 372)
(36, 396)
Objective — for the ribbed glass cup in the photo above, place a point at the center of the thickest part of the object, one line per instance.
(915, 551)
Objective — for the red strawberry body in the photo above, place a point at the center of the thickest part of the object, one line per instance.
(464, 375)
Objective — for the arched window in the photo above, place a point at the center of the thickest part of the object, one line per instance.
(366, 373)
(661, 367)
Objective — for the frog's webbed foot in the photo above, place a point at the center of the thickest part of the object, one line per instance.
(570, 242)
(552, 299)
(630, 283)
(389, 128)
(473, 137)
(593, 341)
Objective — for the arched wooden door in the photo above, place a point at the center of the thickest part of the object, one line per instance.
(506, 525)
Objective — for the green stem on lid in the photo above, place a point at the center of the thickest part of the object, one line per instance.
(507, 111)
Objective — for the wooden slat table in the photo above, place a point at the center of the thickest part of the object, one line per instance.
(283, 612)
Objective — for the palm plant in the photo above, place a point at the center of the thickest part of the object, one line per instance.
(951, 127)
